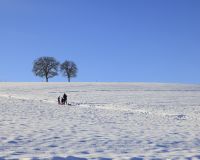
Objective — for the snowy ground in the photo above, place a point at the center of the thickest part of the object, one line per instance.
(105, 121)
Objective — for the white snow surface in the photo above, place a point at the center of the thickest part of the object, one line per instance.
(104, 121)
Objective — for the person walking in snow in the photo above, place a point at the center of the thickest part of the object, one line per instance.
(59, 100)
(65, 98)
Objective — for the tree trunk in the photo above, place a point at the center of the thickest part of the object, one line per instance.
(47, 79)
(68, 79)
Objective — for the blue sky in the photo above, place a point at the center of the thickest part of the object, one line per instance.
(110, 40)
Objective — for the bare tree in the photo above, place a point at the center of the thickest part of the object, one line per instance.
(69, 69)
(45, 67)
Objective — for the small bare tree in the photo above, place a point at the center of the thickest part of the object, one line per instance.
(45, 67)
(69, 69)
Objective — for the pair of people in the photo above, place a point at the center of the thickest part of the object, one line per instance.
(62, 100)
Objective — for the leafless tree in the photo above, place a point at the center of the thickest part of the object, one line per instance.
(45, 67)
(69, 69)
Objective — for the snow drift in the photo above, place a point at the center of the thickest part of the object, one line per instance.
(103, 121)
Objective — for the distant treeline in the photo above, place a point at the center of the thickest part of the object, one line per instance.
(49, 67)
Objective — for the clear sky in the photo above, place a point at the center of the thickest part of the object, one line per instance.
(109, 40)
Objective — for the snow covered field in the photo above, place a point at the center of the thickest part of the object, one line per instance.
(104, 121)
